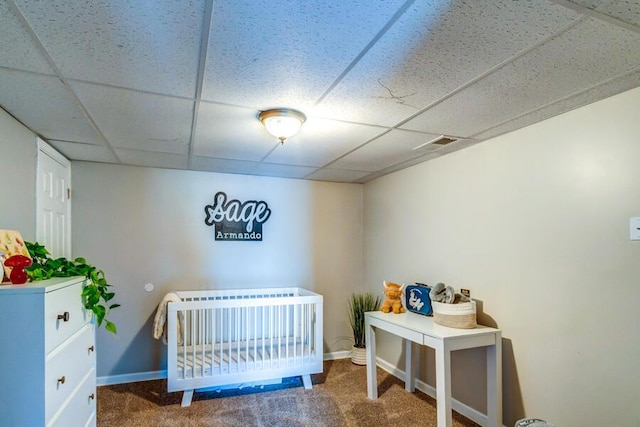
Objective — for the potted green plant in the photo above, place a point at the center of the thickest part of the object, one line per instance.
(96, 293)
(359, 304)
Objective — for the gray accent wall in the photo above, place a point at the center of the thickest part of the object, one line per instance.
(144, 225)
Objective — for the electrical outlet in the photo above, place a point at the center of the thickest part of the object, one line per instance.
(634, 228)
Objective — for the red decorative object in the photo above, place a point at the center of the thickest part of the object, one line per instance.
(18, 263)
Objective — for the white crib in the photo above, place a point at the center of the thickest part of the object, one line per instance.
(222, 337)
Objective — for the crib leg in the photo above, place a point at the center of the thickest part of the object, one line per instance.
(186, 398)
(306, 381)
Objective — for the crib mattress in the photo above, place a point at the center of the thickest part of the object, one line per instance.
(207, 361)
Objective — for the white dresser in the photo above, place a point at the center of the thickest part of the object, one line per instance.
(47, 355)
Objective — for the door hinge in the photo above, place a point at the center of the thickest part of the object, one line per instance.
(69, 193)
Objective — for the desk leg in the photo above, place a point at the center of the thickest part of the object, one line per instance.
(494, 383)
(372, 379)
(411, 363)
(443, 386)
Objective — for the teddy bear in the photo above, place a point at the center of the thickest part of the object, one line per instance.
(393, 298)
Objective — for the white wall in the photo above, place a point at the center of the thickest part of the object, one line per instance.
(536, 224)
(145, 225)
(18, 152)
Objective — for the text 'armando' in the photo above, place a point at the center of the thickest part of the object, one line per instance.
(234, 220)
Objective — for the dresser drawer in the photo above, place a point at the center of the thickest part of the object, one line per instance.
(80, 410)
(66, 367)
(64, 314)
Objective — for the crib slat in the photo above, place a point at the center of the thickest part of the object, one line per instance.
(287, 333)
(306, 336)
(239, 339)
(270, 336)
(296, 309)
(309, 337)
(220, 343)
(303, 329)
(263, 334)
(201, 342)
(193, 348)
(280, 311)
(227, 338)
(212, 338)
(184, 345)
(254, 337)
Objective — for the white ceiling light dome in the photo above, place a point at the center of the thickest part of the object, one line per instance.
(282, 123)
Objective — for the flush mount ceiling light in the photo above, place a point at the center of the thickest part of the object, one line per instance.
(282, 123)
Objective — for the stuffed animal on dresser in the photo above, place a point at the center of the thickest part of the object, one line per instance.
(393, 298)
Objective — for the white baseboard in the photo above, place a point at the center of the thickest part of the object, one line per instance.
(131, 378)
(337, 355)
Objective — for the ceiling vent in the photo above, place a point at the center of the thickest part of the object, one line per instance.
(444, 140)
(439, 141)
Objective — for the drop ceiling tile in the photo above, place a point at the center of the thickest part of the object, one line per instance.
(17, 48)
(625, 10)
(147, 46)
(400, 166)
(287, 53)
(151, 159)
(137, 120)
(210, 164)
(228, 132)
(337, 175)
(389, 149)
(30, 97)
(579, 58)
(417, 161)
(283, 171)
(84, 152)
(321, 141)
(590, 4)
(435, 48)
(610, 88)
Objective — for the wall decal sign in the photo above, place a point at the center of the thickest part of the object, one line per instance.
(234, 220)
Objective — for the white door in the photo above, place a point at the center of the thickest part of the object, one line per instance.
(53, 201)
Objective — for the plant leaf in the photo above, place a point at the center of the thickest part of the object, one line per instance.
(109, 326)
(95, 291)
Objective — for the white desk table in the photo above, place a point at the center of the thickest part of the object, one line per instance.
(422, 330)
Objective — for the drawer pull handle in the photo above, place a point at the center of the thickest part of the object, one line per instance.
(92, 348)
(92, 396)
(64, 316)
(61, 380)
